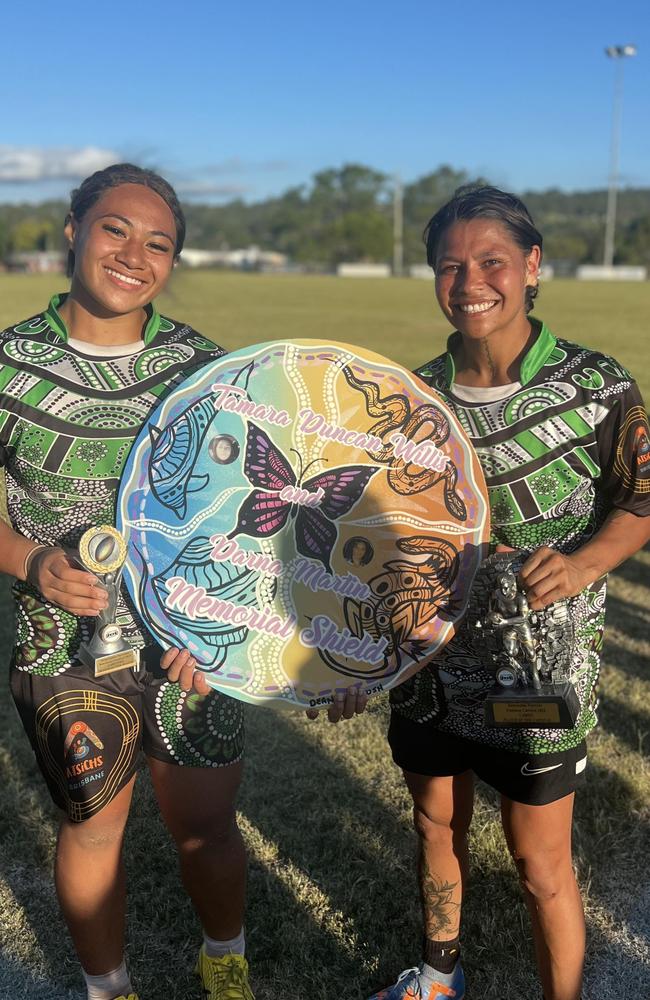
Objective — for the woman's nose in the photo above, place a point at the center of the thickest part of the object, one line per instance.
(468, 278)
(131, 254)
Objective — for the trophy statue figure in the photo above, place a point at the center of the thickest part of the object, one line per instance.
(511, 613)
(102, 551)
(530, 651)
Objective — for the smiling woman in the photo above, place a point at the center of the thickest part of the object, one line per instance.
(123, 240)
(79, 380)
(561, 435)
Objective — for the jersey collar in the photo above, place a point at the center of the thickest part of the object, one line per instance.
(56, 324)
(533, 360)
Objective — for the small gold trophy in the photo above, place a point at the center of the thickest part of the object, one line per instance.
(102, 551)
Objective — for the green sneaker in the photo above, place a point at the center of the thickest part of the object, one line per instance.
(224, 978)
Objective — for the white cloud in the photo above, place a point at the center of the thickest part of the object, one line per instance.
(26, 164)
(198, 189)
(235, 165)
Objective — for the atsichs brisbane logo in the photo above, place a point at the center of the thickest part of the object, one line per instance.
(79, 745)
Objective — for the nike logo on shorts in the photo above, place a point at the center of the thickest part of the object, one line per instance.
(528, 770)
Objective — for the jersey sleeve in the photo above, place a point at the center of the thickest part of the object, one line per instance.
(624, 449)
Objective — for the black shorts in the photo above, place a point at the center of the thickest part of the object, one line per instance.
(86, 733)
(533, 779)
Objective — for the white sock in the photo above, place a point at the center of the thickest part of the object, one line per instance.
(112, 984)
(429, 976)
(216, 949)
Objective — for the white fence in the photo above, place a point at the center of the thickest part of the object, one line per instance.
(598, 272)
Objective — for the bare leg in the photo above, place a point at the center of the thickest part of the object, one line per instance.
(442, 814)
(198, 806)
(539, 839)
(90, 883)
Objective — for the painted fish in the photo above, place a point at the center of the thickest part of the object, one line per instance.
(174, 452)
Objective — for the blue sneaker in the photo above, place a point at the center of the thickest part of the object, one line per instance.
(408, 985)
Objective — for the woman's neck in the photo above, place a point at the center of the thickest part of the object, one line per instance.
(85, 322)
(493, 360)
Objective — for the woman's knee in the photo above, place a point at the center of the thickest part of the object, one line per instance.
(444, 831)
(544, 874)
(215, 833)
(99, 833)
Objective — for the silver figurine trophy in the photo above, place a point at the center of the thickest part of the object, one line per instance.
(530, 651)
(102, 551)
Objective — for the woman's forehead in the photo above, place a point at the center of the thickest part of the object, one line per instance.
(137, 203)
(476, 235)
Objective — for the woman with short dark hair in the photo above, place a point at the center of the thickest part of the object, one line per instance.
(557, 428)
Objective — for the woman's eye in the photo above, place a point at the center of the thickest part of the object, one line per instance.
(113, 229)
(159, 247)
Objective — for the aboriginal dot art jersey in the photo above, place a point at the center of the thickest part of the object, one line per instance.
(565, 446)
(69, 414)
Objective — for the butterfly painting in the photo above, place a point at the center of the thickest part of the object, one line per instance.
(264, 512)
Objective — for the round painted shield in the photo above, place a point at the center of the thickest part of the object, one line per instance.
(303, 517)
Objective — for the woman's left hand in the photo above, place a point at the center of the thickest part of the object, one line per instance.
(548, 576)
(181, 666)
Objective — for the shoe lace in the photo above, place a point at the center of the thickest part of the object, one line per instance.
(410, 992)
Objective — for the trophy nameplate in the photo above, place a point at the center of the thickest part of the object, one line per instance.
(529, 651)
(102, 551)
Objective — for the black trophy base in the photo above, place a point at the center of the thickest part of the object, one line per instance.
(553, 706)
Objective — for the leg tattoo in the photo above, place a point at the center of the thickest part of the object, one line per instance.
(439, 907)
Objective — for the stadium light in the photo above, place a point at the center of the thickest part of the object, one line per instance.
(618, 53)
(398, 227)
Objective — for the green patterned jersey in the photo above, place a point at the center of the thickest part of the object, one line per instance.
(569, 443)
(68, 418)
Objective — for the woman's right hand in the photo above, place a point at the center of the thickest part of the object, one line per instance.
(56, 577)
(345, 705)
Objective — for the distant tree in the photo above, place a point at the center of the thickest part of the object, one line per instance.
(345, 213)
(564, 245)
(32, 234)
(633, 245)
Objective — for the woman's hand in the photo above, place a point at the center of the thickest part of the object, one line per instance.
(56, 577)
(346, 704)
(181, 666)
(549, 576)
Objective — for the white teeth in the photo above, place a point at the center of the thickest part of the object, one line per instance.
(124, 277)
(477, 307)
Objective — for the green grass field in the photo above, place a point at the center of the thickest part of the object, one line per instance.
(332, 901)
(397, 318)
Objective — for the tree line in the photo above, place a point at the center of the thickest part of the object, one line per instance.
(346, 214)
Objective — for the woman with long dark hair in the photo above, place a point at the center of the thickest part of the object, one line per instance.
(79, 380)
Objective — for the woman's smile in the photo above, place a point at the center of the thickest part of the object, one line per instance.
(123, 279)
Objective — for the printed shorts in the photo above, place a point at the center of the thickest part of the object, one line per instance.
(86, 733)
(533, 779)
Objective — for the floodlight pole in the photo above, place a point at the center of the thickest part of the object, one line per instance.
(618, 53)
(398, 227)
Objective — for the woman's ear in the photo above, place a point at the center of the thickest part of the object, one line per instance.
(533, 262)
(70, 229)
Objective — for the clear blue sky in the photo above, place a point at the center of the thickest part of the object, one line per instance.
(255, 98)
